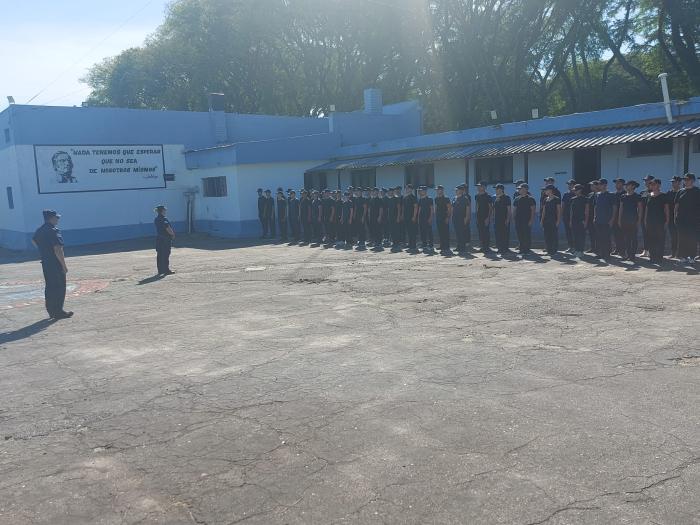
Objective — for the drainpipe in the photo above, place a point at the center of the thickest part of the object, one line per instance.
(663, 77)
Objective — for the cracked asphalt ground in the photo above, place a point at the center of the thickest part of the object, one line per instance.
(276, 384)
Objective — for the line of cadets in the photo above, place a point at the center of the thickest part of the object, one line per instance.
(395, 217)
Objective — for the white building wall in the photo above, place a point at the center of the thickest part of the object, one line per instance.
(557, 164)
(391, 176)
(12, 222)
(615, 163)
(694, 156)
(450, 173)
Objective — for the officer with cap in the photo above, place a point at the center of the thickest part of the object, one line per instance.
(426, 209)
(49, 241)
(579, 219)
(484, 211)
(687, 212)
(656, 217)
(337, 215)
(676, 183)
(164, 241)
(591, 205)
(525, 211)
(604, 215)
(502, 207)
(293, 211)
(305, 215)
(410, 216)
(461, 216)
(616, 229)
(261, 211)
(550, 217)
(269, 215)
(629, 218)
(282, 214)
(376, 215)
(644, 194)
(443, 215)
(316, 217)
(386, 231)
(566, 213)
(549, 181)
(359, 217)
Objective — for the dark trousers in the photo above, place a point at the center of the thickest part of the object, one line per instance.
(315, 231)
(426, 234)
(484, 234)
(602, 240)
(502, 236)
(268, 225)
(443, 228)
(343, 233)
(619, 238)
(360, 231)
(410, 228)
(55, 289)
(461, 230)
(163, 247)
(578, 232)
(283, 229)
(294, 229)
(656, 241)
(628, 247)
(569, 233)
(673, 232)
(645, 237)
(591, 234)
(306, 227)
(551, 237)
(524, 232)
(687, 242)
(328, 230)
(375, 230)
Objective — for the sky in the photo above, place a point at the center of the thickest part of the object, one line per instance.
(49, 44)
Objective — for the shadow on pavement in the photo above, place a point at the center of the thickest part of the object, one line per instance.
(149, 280)
(27, 331)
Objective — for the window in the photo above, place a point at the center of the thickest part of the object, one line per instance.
(214, 187)
(316, 180)
(696, 142)
(420, 175)
(7, 135)
(494, 170)
(363, 178)
(10, 199)
(651, 147)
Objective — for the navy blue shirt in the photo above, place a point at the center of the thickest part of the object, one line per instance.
(347, 208)
(424, 205)
(162, 223)
(409, 201)
(523, 205)
(500, 208)
(483, 205)
(304, 206)
(566, 204)
(604, 207)
(294, 209)
(577, 210)
(46, 237)
(459, 208)
(656, 209)
(629, 207)
(549, 209)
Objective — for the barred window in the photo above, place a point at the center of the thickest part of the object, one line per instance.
(214, 187)
(651, 147)
(494, 170)
(420, 175)
(363, 178)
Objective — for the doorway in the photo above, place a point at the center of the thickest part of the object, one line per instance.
(586, 165)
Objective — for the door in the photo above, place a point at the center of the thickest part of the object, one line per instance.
(586, 165)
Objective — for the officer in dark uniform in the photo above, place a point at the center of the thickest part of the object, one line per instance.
(502, 207)
(400, 226)
(53, 264)
(426, 209)
(410, 216)
(580, 211)
(629, 218)
(338, 235)
(261, 211)
(525, 210)
(644, 194)
(359, 217)
(443, 215)
(461, 215)
(305, 215)
(687, 212)
(269, 215)
(618, 237)
(550, 217)
(671, 194)
(656, 218)
(164, 241)
(315, 217)
(484, 209)
(566, 213)
(376, 216)
(293, 213)
(345, 225)
(549, 181)
(591, 205)
(282, 214)
(604, 215)
(327, 212)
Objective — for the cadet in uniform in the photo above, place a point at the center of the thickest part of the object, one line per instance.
(629, 218)
(676, 182)
(376, 212)
(269, 215)
(425, 219)
(656, 219)
(591, 205)
(337, 214)
(386, 230)
(644, 194)
(359, 218)
(516, 193)
(410, 216)
(501, 216)
(315, 218)
(604, 215)
(394, 218)
(261, 211)
(327, 212)
(282, 215)
(550, 219)
(305, 215)
(164, 241)
(443, 214)
(616, 228)
(579, 218)
(484, 207)
(549, 181)
(53, 264)
(687, 212)
(566, 213)
(345, 226)
(525, 211)
(461, 215)
(294, 214)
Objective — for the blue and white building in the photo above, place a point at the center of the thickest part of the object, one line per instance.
(105, 169)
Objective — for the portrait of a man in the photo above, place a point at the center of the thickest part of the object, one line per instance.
(63, 166)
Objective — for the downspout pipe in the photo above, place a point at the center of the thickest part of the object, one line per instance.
(663, 77)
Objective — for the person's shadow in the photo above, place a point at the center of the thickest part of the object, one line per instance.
(149, 280)
(27, 331)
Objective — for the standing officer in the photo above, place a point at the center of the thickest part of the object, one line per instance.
(549, 181)
(566, 213)
(282, 214)
(305, 216)
(604, 215)
(656, 219)
(261, 211)
(648, 180)
(337, 215)
(443, 214)
(315, 218)
(269, 215)
(501, 213)
(589, 225)
(359, 216)
(345, 225)
(676, 182)
(525, 211)
(293, 208)
(327, 211)
(580, 211)
(426, 209)
(376, 214)
(629, 218)
(53, 264)
(394, 218)
(386, 230)
(410, 216)
(461, 215)
(550, 218)
(484, 209)
(164, 241)
(687, 212)
(616, 228)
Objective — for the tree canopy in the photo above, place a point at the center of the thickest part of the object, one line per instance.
(461, 58)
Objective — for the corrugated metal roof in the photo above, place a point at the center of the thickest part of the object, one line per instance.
(561, 141)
